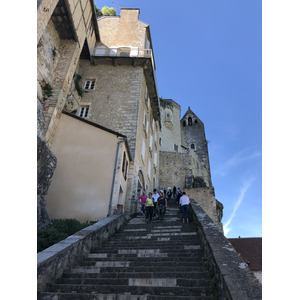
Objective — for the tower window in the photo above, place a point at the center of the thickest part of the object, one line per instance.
(192, 146)
(196, 121)
(184, 123)
(190, 122)
(89, 84)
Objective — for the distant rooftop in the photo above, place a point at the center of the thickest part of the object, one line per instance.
(251, 251)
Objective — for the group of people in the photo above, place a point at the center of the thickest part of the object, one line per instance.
(155, 204)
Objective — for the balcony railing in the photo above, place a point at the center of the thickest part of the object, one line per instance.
(123, 52)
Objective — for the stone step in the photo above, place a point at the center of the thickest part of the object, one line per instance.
(140, 263)
(147, 269)
(143, 253)
(179, 249)
(137, 281)
(144, 256)
(142, 274)
(94, 296)
(145, 287)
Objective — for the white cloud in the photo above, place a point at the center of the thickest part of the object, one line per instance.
(246, 185)
(234, 161)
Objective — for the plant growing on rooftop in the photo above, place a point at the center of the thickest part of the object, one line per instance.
(108, 11)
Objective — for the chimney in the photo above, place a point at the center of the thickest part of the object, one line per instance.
(131, 14)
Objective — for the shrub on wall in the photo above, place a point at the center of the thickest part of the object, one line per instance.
(57, 231)
(198, 182)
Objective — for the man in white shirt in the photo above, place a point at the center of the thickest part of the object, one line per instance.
(155, 196)
(184, 202)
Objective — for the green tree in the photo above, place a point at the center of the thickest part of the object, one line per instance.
(108, 11)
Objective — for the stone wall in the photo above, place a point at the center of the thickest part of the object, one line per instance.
(173, 168)
(231, 278)
(54, 260)
(206, 198)
(123, 30)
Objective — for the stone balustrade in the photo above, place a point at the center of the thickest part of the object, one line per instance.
(230, 275)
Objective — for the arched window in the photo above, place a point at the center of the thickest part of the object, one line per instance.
(192, 146)
(184, 123)
(190, 122)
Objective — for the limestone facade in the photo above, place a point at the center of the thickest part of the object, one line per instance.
(65, 29)
(120, 93)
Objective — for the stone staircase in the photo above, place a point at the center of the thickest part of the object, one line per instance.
(156, 260)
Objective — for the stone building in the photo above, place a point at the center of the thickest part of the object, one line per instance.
(109, 82)
(184, 159)
(66, 30)
(85, 186)
(120, 92)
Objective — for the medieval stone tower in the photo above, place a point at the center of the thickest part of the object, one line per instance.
(184, 159)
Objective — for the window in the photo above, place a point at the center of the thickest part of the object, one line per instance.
(149, 168)
(89, 84)
(146, 93)
(147, 125)
(83, 112)
(176, 147)
(151, 141)
(192, 146)
(195, 121)
(184, 123)
(91, 27)
(143, 150)
(155, 158)
(160, 141)
(190, 122)
(124, 166)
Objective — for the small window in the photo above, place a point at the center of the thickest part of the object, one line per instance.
(160, 141)
(190, 122)
(184, 123)
(83, 113)
(192, 146)
(195, 121)
(176, 147)
(89, 84)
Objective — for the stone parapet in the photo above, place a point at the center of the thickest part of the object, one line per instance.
(230, 276)
(54, 260)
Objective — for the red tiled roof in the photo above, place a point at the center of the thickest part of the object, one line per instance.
(251, 251)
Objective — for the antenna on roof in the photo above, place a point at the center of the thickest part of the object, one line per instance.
(119, 6)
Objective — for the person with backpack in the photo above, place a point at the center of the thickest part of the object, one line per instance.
(161, 206)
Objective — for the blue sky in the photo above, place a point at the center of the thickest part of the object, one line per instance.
(208, 57)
